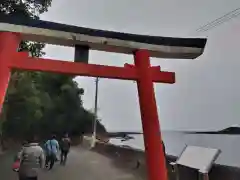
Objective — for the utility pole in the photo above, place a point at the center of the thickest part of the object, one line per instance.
(95, 113)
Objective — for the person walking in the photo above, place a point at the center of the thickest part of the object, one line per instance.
(165, 154)
(65, 147)
(164, 149)
(52, 149)
(31, 157)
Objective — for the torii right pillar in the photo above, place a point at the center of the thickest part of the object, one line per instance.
(155, 158)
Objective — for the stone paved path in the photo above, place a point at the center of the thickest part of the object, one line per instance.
(82, 165)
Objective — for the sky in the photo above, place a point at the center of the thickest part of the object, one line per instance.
(206, 93)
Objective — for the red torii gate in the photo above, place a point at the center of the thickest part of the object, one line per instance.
(142, 72)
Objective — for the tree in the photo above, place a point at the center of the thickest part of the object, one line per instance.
(40, 103)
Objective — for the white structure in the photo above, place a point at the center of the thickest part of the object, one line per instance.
(61, 34)
(199, 158)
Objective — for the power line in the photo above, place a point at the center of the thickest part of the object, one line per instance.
(213, 25)
(219, 23)
(226, 17)
(218, 19)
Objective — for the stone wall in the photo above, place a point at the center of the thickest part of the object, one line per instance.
(134, 160)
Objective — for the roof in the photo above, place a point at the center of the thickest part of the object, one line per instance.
(69, 35)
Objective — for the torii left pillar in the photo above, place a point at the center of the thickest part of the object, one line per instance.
(8, 46)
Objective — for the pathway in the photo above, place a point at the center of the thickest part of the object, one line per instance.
(82, 164)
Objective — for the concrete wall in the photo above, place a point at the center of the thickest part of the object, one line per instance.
(134, 160)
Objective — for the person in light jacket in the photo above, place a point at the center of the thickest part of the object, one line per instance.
(52, 149)
(31, 158)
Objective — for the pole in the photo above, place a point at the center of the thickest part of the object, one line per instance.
(95, 113)
(9, 43)
(151, 130)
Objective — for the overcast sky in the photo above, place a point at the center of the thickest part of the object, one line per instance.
(206, 92)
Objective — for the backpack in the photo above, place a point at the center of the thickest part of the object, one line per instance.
(65, 144)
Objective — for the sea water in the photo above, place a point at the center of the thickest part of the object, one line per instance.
(176, 141)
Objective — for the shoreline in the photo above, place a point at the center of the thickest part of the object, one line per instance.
(133, 160)
(175, 142)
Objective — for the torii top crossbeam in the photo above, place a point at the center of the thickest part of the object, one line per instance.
(13, 30)
(61, 34)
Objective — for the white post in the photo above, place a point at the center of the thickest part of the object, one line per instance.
(95, 114)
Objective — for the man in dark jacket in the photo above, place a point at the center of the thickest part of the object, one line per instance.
(65, 147)
(164, 149)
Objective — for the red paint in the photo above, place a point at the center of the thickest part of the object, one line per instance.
(157, 74)
(152, 137)
(142, 72)
(72, 68)
(8, 47)
(128, 72)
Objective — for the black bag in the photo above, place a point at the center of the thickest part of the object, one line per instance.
(65, 144)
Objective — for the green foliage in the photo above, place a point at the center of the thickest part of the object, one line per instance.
(40, 103)
(24, 8)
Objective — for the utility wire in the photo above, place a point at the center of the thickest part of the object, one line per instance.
(220, 19)
(221, 22)
(213, 24)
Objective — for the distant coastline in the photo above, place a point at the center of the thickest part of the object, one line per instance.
(229, 130)
(127, 135)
